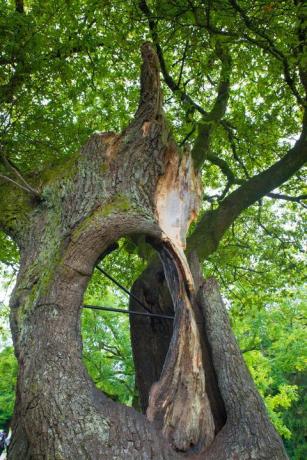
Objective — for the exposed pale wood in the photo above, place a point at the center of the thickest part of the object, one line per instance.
(178, 402)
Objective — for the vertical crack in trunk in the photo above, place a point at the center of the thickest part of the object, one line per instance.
(178, 402)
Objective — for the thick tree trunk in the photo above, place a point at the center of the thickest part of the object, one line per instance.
(203, 402)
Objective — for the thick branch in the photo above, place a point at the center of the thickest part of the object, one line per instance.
(232, 179)
(201, 148)
(213, 224)
(220, 104)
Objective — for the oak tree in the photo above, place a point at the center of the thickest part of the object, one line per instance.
(221, 63)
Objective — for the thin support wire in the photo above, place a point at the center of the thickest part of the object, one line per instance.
(128, 312)
(123, 288)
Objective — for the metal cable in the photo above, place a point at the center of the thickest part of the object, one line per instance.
(123, 288)
(129, 312)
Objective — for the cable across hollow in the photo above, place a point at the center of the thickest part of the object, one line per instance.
(128, 312)
(122, 288)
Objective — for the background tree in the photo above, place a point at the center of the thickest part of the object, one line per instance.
(52, 81)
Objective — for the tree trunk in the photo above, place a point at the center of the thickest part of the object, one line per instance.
(204, 403)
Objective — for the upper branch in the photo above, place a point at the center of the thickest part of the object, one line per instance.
(171, 83)
(150, 104)
(202, 143)
(269, 47)
(302, 39)
(214, 223)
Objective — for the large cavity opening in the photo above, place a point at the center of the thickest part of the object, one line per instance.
(111, 338)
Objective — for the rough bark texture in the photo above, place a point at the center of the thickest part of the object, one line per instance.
(248, 433)
(85, 207)
(137, 182)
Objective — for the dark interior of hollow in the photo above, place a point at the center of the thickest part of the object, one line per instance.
(151, 337)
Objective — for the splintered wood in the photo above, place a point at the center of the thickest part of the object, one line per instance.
(178, 403)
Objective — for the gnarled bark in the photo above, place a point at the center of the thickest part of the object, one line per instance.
(248, 433)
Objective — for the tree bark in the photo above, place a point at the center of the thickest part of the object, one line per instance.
(202, 402)
(247, 433)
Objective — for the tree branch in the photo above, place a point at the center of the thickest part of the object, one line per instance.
(173, 86)
(19, 6)
(281, 196)
(224, 167)
(232, 179)
(201, 148)
(25, 185)
(214, 223)
(271, 48)
(8, 179)
(302, 39)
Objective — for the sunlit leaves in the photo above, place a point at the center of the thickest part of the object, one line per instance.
(274, 347)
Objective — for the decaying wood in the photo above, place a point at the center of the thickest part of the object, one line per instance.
(178, 402)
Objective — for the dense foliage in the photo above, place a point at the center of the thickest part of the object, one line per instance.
(68, 69)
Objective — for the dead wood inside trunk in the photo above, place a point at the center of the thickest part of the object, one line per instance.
(178, 402)
(243, 430)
